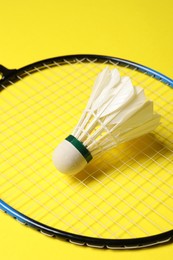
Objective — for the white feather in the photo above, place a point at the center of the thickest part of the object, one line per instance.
(117, 98)
(106, 78)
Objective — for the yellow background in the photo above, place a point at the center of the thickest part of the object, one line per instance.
(141, 31)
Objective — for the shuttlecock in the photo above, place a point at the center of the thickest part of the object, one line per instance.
(116, 112)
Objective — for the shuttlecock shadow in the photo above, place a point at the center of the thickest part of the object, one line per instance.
(139, 152)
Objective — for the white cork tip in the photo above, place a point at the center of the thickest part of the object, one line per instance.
(67, 159)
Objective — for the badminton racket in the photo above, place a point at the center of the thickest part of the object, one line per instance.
(123, 199)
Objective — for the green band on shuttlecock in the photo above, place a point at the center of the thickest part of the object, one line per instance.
(80, 147)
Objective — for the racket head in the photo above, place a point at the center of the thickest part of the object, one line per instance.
(123, 199)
